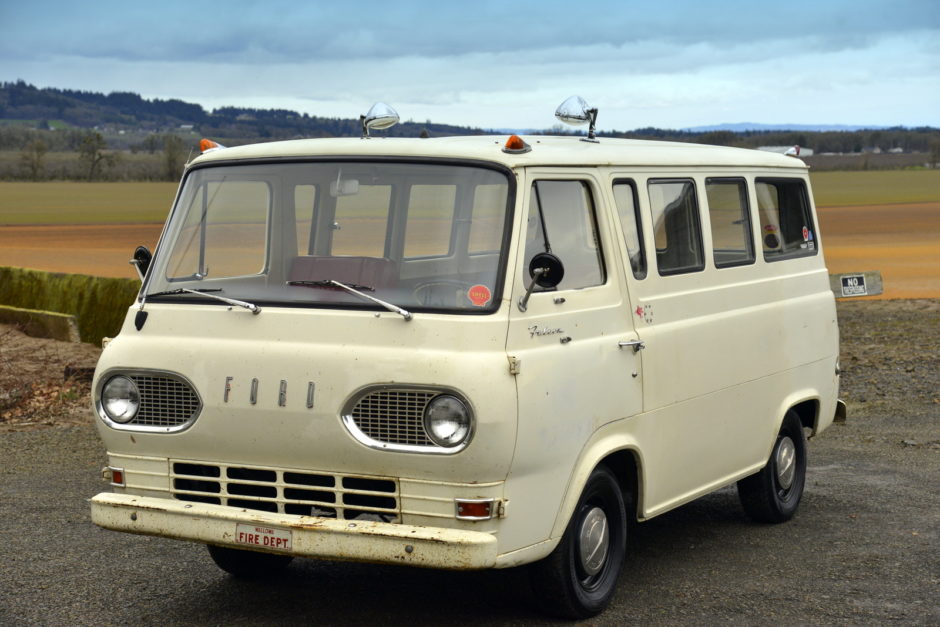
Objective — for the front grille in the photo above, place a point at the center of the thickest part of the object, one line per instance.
(394, 416)
(165, 401)
(287, 491)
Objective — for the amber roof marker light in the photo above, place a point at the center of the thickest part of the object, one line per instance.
(207, 145)
(515, 145)
(577, 112)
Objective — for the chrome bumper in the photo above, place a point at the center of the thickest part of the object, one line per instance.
(325, 538)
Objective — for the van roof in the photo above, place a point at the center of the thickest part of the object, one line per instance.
(546, 150)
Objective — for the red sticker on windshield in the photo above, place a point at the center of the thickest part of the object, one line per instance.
(479, 295)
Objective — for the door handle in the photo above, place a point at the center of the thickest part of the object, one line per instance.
(636, 345)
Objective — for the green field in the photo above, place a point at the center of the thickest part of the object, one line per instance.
(881, 187)
(137, 203)
(85, 203)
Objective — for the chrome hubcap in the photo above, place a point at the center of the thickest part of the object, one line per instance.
(785, 462)
(594, 539)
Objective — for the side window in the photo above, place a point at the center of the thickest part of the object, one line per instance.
(785, 222)
(225, 233)
(676, 227)
(629, 211)
(430, 220)
(730, 221)
(305, 203)
(562, 222)
(361, 222)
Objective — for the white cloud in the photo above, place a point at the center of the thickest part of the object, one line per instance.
(700, 63)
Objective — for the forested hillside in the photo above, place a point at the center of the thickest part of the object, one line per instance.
(65, 134)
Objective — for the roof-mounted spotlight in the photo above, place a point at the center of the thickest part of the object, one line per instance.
(576, 111)
(380, 117)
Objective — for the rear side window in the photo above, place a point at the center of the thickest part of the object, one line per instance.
(562, 222)
(676, 227)
(786, 223)
(730, 222)
(629, 211)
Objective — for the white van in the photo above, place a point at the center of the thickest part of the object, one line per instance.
(468, 352)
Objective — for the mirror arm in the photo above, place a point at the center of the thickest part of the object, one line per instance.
(591, 137)
(136, 264)
(523, 302)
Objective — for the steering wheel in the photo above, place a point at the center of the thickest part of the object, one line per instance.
(443, 293)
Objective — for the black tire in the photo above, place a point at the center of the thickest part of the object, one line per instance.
(570, 585)
(773, 494)
(248, 564)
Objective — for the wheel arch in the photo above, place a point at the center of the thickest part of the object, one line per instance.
(808, 411)
(623, 457)
(805, 403)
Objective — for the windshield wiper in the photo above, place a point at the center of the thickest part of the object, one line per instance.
(330, 282)
(254, 309)
(352, 289)
(182, 291)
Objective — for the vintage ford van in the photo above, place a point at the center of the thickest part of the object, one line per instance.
(467, 352)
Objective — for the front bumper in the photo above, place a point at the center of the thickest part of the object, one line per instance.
(325, 538)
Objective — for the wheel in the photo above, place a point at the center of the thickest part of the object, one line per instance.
(577, 580)
(248, 564)
(442, 293)
(773, 494)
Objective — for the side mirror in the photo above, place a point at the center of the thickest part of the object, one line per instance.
(546, 271)
(141, 261)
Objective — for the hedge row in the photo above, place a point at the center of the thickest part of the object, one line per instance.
(99, 303)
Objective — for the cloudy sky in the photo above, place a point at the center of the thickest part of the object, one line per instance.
(499, 64)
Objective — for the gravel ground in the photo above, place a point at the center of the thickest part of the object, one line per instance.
(863, 549)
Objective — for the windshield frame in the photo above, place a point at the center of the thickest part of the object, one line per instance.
(169, 233)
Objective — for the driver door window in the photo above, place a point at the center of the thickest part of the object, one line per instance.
(562, 222)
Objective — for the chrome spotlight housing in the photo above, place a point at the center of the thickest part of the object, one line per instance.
(577, 112)
(379, 117)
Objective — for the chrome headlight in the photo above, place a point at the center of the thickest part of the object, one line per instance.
(447, 421)
(120, 399)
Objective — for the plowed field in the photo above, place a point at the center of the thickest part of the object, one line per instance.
(902, 241)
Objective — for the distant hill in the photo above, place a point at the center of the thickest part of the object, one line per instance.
(742, 127)
(128, 112)
(128, 121)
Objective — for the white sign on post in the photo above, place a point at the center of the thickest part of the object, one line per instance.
(854, 285)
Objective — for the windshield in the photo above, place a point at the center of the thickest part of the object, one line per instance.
(417, 235)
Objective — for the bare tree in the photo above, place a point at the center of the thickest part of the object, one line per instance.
(91, 153)
(33, 159)
(174, 154)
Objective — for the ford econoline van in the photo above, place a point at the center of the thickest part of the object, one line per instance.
(467, 352)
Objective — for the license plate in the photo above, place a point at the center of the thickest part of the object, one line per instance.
(264, 537)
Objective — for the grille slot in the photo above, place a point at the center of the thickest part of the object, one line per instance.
(394, 416)
(288, 492)
(165, 401)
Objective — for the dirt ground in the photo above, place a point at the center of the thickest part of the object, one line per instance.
(96, 249)
(901, 241)
(35, 389)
